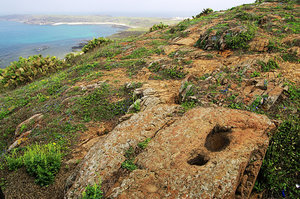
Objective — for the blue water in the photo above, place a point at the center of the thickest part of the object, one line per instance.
(18, 39)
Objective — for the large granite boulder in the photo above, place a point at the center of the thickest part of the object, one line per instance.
(206, 153)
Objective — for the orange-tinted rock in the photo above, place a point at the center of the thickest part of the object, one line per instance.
(207, 153)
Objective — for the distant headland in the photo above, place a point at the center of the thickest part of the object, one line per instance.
(126, 22)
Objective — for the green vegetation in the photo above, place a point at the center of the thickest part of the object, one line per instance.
(95, 42)
(173, 72)
(245, 16)
(281, 164)
(270, 65)
(204, 13)
(240, 40)
(159, 26)
(236, 37)
(290, 57)
(129, 165)
(255, 74)
(93, 192)
(27, 70)
(188, 105)
(40, 161)
(137, 106)
(139, 53)
(144, 144)
(129, 162)
(97, 105)
(92, 87)
(178, 30)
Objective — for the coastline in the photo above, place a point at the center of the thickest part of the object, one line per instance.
(57, 48)
(93, 23)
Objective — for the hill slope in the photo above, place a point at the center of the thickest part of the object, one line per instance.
(244, 58)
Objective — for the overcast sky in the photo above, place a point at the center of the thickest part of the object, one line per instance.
(116, 7)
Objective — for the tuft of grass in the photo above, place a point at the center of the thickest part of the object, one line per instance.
(98, 106)
(246, 16)
(290, 57)
(139, 53)
(188, 105)
(255, 74)
(174, 72)
(267, 66)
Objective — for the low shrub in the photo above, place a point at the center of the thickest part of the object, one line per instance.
(13, 162)
(204, 12)
(26, 70)
(95, 42)
(240, 40)
(159, 26)
(41, 161)
(246, 16)
(227, 36)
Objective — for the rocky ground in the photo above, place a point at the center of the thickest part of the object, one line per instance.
(193, 109)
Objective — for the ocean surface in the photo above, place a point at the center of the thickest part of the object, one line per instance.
(18, 39)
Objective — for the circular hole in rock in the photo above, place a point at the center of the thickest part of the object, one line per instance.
(217, 139)
(199, 160)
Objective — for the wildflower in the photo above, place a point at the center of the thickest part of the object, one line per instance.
(54, 143)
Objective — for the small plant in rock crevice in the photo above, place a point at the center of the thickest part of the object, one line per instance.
(93, 191)
(144, 144)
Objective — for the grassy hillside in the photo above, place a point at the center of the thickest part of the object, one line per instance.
(83, 97)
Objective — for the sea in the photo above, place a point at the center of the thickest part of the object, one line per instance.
(23, 40)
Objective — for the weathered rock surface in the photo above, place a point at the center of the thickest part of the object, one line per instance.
(105, 157)
(33, 119)
(20, 140)
(259, 44)
(207, 153)
(148, 99)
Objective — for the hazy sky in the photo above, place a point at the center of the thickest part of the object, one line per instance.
(116, 7)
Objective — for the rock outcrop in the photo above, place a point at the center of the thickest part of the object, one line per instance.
(206, 153)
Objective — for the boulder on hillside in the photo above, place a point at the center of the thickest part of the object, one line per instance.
(206, 153)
